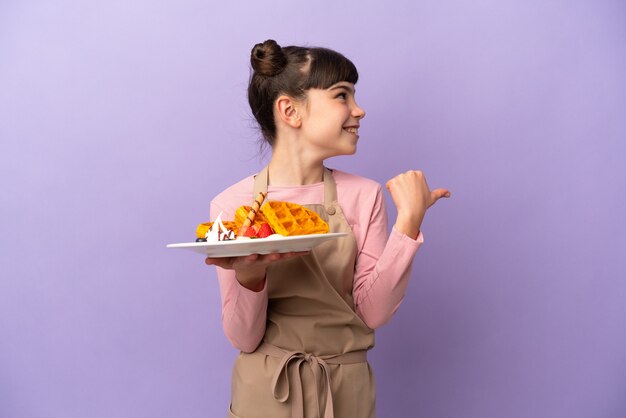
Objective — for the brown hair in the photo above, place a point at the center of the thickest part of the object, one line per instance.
(291, 70)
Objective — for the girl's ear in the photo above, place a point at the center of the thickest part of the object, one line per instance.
(287, 111)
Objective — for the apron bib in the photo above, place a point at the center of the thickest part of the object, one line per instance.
(312, 361)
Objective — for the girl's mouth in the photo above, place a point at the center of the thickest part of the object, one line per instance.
(352, 129)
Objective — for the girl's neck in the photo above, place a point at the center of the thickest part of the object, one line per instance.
(290, 167)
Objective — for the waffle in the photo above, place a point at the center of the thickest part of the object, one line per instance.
(203, 228)
(288, 219)
(242, 213)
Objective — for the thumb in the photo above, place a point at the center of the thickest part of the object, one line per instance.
(439, 193)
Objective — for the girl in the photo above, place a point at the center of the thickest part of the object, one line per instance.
(304, 321)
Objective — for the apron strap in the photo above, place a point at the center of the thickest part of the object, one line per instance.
(260, 182)
(330, 192)
(289, 368)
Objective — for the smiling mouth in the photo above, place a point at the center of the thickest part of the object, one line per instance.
(352, 130)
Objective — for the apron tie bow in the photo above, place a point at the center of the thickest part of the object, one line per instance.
(288, 374)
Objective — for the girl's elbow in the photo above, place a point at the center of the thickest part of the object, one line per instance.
(248, 348)
(246, 345)
(375, 321)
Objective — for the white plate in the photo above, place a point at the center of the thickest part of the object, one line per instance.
(258, 245)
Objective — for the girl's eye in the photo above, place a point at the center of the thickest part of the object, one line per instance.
(342, 96)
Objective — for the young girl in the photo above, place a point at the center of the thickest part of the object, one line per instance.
(304, 321)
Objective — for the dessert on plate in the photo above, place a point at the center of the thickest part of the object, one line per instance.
(262, 221)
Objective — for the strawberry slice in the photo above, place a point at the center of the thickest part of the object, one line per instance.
(265, 230)
(250, 232)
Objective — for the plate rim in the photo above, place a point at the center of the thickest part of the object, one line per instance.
(246, 242)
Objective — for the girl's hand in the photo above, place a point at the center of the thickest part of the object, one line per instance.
(412, 197)
(250, 269)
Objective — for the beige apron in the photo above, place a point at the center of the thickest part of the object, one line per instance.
(312, 361)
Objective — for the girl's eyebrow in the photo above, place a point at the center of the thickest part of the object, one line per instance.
(343, 86)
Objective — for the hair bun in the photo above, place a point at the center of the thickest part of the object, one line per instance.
(268, 59)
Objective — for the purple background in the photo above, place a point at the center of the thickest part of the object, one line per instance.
(120, 120)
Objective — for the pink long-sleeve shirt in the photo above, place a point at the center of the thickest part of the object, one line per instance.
(383, 263)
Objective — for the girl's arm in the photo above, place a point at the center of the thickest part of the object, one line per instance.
(244, 310)
(383, 270)
(383, 267)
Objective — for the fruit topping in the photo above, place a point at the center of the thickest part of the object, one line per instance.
(265, 230)
(249, 232)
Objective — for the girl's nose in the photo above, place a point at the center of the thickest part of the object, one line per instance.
(358, 112)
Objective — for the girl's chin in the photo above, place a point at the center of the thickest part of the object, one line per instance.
(347, 151)
(344, 149)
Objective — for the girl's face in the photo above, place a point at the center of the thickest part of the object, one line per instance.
(330, 120)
